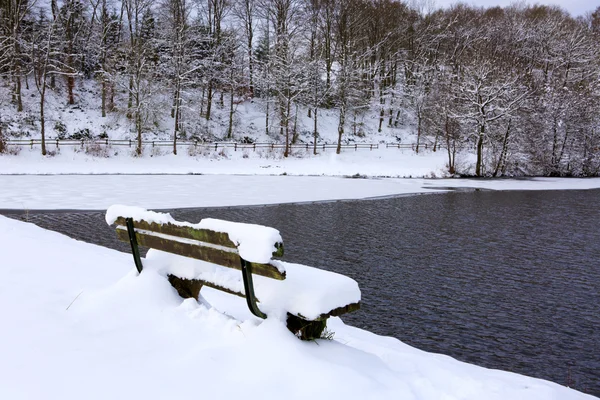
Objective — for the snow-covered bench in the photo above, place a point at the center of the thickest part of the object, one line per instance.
(210, 252)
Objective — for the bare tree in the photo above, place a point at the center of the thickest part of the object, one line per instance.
(245, 12)
(12, 57)
(140, 24)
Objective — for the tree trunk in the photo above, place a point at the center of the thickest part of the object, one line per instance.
(295, 132)
(70, 88)
(209, 96)
(177, 113)
(111, 98)
(18, 94)
(130, 98)
(479, 164)
(419, 123)
(267, 115)
(231, 111)
(315, 133)
(103, 96)
(451, 147)
(138, 125)
(502, 160)
(42, 117)
(286, 153)
(341, 123)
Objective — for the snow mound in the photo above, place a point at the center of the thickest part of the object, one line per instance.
(88, 326)
(306, 291)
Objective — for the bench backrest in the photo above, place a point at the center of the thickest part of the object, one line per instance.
(200, 244)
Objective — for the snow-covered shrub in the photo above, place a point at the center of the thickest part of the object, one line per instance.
(198, 151)
(12, 150)
(84, 133)
(222, 153)
(156, 152)
(52, 153)
(61, 130)
(97, 150)
(270, 153)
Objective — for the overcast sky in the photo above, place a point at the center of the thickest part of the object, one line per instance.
(575, 7)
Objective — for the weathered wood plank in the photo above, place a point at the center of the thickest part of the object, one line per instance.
(191, 287)
(186, 232)
(341, 310)
(209, 254)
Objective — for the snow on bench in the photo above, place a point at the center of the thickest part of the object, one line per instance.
(209, 253)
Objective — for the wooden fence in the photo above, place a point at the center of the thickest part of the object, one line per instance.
(213, 145)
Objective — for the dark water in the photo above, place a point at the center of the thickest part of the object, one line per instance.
(507, 280)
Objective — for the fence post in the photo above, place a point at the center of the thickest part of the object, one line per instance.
(254, 146)
(235, 147)
(216, 146)
(371, 146)
(32, 143)
(107, 141)
(82, 144)
(153, 143)
(355, 146)
(57, 143)
(129, 142)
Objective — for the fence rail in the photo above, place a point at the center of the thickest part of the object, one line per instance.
(212, 145)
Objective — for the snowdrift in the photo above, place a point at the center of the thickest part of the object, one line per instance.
(78, 323)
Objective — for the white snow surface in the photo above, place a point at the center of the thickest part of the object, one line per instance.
(256, 243)
(98, 192)
(305, 291)
(78, 322)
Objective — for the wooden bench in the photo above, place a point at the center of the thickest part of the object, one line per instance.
(309, 296)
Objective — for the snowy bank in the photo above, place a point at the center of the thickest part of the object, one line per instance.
(378, 162)
(79, 323)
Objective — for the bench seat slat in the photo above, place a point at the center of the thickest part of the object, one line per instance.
(191, 287)
(188, 232)
(210, 254)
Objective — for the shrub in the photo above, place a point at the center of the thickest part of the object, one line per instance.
(61, 129)
(82, 134)
(97, 150)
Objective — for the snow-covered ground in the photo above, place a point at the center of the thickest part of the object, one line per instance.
(78, 323)
(380, 162)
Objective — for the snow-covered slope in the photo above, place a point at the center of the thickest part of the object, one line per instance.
(78, 323)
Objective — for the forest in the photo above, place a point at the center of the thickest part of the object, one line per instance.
(518, 87)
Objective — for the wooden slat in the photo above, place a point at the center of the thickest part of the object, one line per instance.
(186, 232)
(209, 254)
(341, 310)
(191, 287)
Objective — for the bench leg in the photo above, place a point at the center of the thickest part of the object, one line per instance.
(304, 329)
(134, 246)
(187, 288)
(249, 289)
